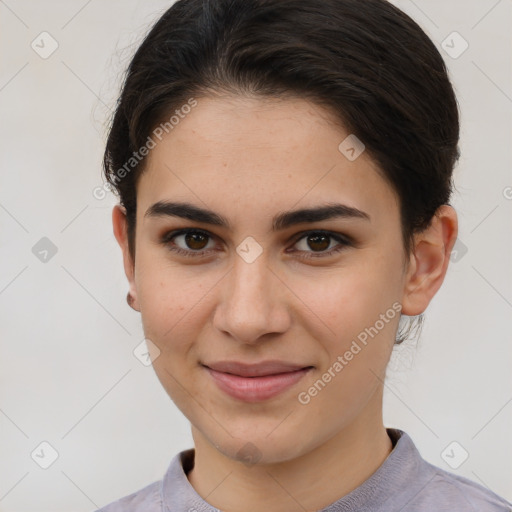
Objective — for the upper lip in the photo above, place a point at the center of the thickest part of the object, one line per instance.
(255, 370)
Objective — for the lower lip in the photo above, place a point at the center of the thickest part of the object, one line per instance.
(256, 389)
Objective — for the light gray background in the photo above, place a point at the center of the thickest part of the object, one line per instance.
(68, 374)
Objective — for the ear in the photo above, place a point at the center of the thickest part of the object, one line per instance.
(120, 225)
(429, 261)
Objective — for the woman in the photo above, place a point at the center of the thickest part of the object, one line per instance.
(284, 170)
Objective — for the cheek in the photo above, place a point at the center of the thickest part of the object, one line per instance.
(173, 308)
(353, 315)
(172, 302)
(357, 347)
(347, 300)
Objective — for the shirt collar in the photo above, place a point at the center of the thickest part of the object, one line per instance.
(403, 465)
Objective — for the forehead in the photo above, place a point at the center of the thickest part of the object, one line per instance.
(262, 155)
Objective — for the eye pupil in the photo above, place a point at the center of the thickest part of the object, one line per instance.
(192, 238)
(316, 238)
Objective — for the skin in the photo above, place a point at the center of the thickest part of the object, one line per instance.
(249, 159)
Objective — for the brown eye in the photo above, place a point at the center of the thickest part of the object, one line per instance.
(318, 242)
(195, 240)
(187, 242)
(314, 244)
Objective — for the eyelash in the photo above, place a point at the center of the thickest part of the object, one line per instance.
(343, 241)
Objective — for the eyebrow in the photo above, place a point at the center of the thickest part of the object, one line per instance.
(281, 221)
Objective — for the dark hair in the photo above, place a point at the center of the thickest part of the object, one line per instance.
(366, 61)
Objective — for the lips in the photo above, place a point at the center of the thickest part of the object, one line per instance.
(262, 369)
(256, 382)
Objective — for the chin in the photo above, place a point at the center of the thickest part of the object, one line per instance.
(260, 449)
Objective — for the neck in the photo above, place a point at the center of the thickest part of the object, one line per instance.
(311, 481)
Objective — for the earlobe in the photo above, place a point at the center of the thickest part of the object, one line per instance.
(119, 224)
(429, 261)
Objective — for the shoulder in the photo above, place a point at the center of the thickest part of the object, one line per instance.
(410, 483)
(155, 496)
(147, 499)
(447, 492)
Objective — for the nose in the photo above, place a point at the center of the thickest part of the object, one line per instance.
(252, 302)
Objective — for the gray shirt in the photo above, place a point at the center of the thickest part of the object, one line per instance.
(404, 482)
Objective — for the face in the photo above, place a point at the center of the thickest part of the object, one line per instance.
(322, 292)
